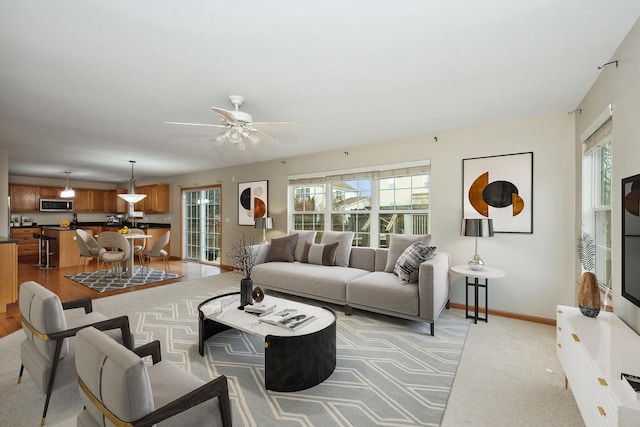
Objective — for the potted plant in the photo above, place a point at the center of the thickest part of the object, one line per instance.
(244, 257)
(588, 293)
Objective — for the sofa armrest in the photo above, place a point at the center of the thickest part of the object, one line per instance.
(433, 285)
(263, 250)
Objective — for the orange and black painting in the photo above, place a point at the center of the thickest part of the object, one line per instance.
(252, 201)
(500, 187)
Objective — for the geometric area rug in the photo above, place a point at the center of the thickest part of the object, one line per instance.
(104, 280)
(389, 371)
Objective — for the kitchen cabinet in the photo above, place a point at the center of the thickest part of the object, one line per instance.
(8, 275)
(87, 200)
(27, 244)
(157, 200)
(116, 204)
(50, 192)
(24, 198)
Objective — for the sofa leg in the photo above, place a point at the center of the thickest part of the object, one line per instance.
(433, 329)
(448, 305)
(347, 310)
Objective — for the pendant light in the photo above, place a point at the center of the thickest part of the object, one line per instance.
(68, 191)
(131, 196)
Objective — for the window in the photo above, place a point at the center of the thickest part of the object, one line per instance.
(596, 195)
(372, 204)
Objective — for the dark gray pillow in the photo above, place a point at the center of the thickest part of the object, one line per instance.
(283, 249)
(408, 265)
(319, 254)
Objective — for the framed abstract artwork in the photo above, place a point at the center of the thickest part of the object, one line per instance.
(252, 201)
(631, 238)
(500, 188)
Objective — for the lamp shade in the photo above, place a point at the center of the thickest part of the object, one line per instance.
(477, 227)
(264, 223)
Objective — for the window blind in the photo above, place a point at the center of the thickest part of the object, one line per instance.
(600, 137)
(370, 174)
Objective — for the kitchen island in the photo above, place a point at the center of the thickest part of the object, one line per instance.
(8, 272)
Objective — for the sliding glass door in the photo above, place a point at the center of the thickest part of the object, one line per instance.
(201, 224)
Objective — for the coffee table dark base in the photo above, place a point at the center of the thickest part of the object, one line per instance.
(290, 363)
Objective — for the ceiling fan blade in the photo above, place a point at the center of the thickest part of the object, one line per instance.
(272, 126)
(195, 124)
(264, 137)
(227, 116)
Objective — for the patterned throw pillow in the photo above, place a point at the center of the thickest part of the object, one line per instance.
(319, 254)
(408, 264)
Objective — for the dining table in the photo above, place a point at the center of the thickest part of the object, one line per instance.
(131, 237)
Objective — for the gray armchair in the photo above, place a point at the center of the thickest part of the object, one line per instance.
(46, 353)
(116, 385)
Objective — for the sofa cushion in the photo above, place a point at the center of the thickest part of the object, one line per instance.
(408, 264)
(282, 249)
(398, 243)
(303, 236)
(344, 239)
(384, 291)
(314, 281)
(319, 254)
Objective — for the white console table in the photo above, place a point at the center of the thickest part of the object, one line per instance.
(593, 352)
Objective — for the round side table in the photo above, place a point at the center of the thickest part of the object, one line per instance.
(486, 274)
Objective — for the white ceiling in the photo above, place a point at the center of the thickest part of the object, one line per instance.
(86, 85)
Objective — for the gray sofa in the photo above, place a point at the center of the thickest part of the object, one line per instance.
(363, 284)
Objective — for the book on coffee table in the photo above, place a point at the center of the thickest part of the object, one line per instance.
(259, 308)
(287, 318)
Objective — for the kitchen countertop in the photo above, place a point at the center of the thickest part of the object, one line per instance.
(4, 239)
(141, 225)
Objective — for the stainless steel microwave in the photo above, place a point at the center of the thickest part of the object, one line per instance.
(56, 205)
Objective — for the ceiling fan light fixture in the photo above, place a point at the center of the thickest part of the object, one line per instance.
(131, 196)
(68, 191)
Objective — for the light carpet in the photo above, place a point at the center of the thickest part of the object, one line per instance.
(104, 280)
(389, 371)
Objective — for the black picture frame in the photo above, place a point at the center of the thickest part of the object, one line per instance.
(631, 239)
(501, 188)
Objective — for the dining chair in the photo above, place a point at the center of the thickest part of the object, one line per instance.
(158, 251)
(118, 388)
(88, 247)
(48, 325)
(139, 245)
(117, 251)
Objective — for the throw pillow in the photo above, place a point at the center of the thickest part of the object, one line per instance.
(344, 239)
(282, 249)
(408, 265)
(303, 236)
(398, 243)
(319, 254)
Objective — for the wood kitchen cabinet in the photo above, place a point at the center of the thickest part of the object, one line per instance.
(87, 200)
(24, 198)
(157, 200)
(8, 275)
(116, 204)
(27, 244)
(50, 192)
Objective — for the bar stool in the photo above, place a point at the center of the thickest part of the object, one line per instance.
(48, 253)
(40, 248)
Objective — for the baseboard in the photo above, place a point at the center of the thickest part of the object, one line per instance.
(508, 314)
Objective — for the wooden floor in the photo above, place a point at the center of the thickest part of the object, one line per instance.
(69, 290)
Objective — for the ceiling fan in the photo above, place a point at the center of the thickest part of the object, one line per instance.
(239, 126)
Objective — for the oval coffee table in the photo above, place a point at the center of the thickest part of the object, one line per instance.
(294, 359)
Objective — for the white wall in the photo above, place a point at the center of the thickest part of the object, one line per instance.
(621, 87)
(539, 267)
(4, 193)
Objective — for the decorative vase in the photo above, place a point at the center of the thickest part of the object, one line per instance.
(246, 287)
(589, 295)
